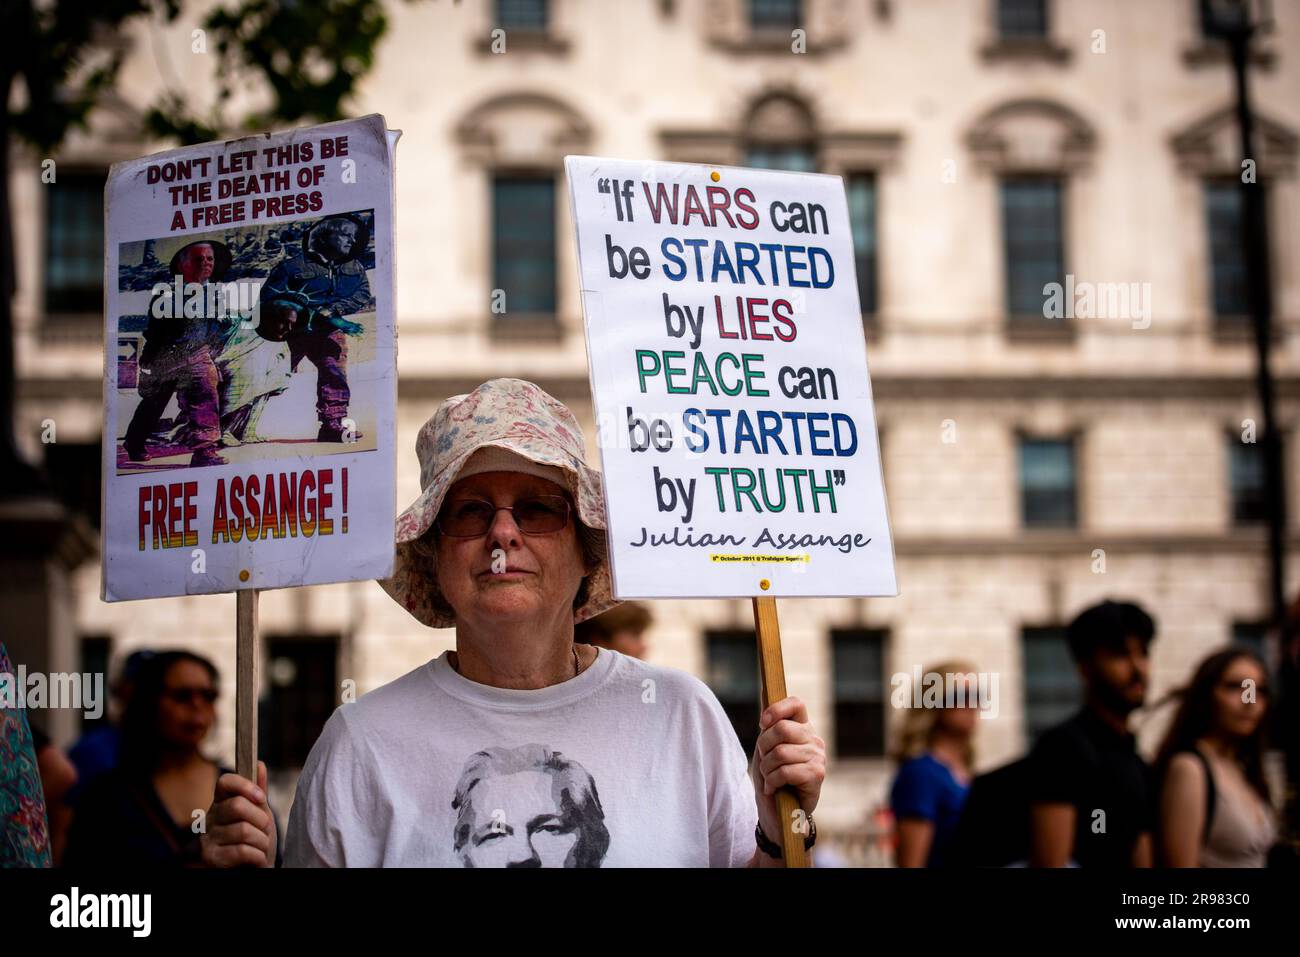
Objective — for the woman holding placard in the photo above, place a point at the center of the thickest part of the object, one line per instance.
(521, 748)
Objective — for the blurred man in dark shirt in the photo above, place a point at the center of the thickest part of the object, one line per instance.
(1092, 794)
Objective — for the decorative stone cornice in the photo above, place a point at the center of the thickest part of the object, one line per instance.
(1032, 135)
(1209, 147)
(522, 129)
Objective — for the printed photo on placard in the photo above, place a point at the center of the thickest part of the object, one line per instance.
(246, 339)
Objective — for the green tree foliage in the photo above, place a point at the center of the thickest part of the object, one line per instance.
(309, 55)
(60, 58)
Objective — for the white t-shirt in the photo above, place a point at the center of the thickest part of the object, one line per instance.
(625, 765)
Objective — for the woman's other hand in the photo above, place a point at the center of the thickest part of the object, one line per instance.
(788, 753)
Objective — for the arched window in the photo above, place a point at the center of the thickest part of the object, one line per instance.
(780, 130)
(780, 134)
(1208, 152)
(1032, 147)
(520, 141)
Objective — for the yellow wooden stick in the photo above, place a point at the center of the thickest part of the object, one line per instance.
(772, 668)
(246, 683)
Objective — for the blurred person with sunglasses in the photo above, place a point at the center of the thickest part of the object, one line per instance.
(143, 812)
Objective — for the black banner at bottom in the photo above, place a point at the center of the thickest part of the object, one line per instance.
(936, 908)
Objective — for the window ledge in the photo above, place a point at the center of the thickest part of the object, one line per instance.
(1240, 330)
(532, 327)
(519, 39)
(861, 763)
(1215, 52)
(71, 329)
(1034, 329)
(1024, 48)
(779, 41)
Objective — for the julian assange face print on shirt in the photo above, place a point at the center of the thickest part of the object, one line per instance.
(527, 806)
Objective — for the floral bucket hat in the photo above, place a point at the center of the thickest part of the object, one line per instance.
(505, 414)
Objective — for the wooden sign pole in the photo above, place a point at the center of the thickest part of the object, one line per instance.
(772, 668)
(246, 655)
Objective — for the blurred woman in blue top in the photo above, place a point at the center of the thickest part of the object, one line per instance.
(935, 754)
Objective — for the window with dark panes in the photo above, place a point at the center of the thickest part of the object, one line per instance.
(74, 469)
(523, 243)
(1033, 247)
(861, 189)
(1204, 18)
(1252, 635)
(1022, 18)
(775, 14)
(1053, 691)
(733, 676)
(74, 243)
(1229, 296)
(1246, 479)
(790, 157)
(1048, 485)
(1228, 13)
(528, 15)
(858, 688)
(302, 678)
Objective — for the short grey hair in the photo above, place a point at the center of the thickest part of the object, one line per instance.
(331, 226)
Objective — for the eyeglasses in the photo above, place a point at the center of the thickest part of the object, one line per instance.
(186, 695)
(472, 517)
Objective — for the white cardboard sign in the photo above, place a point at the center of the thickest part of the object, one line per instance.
(729, 370)
(250, 364)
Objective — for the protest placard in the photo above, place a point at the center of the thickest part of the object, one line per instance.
(729, 372)
(250, 364)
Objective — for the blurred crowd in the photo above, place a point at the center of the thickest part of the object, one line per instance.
(133, 791)
(1084, 796)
